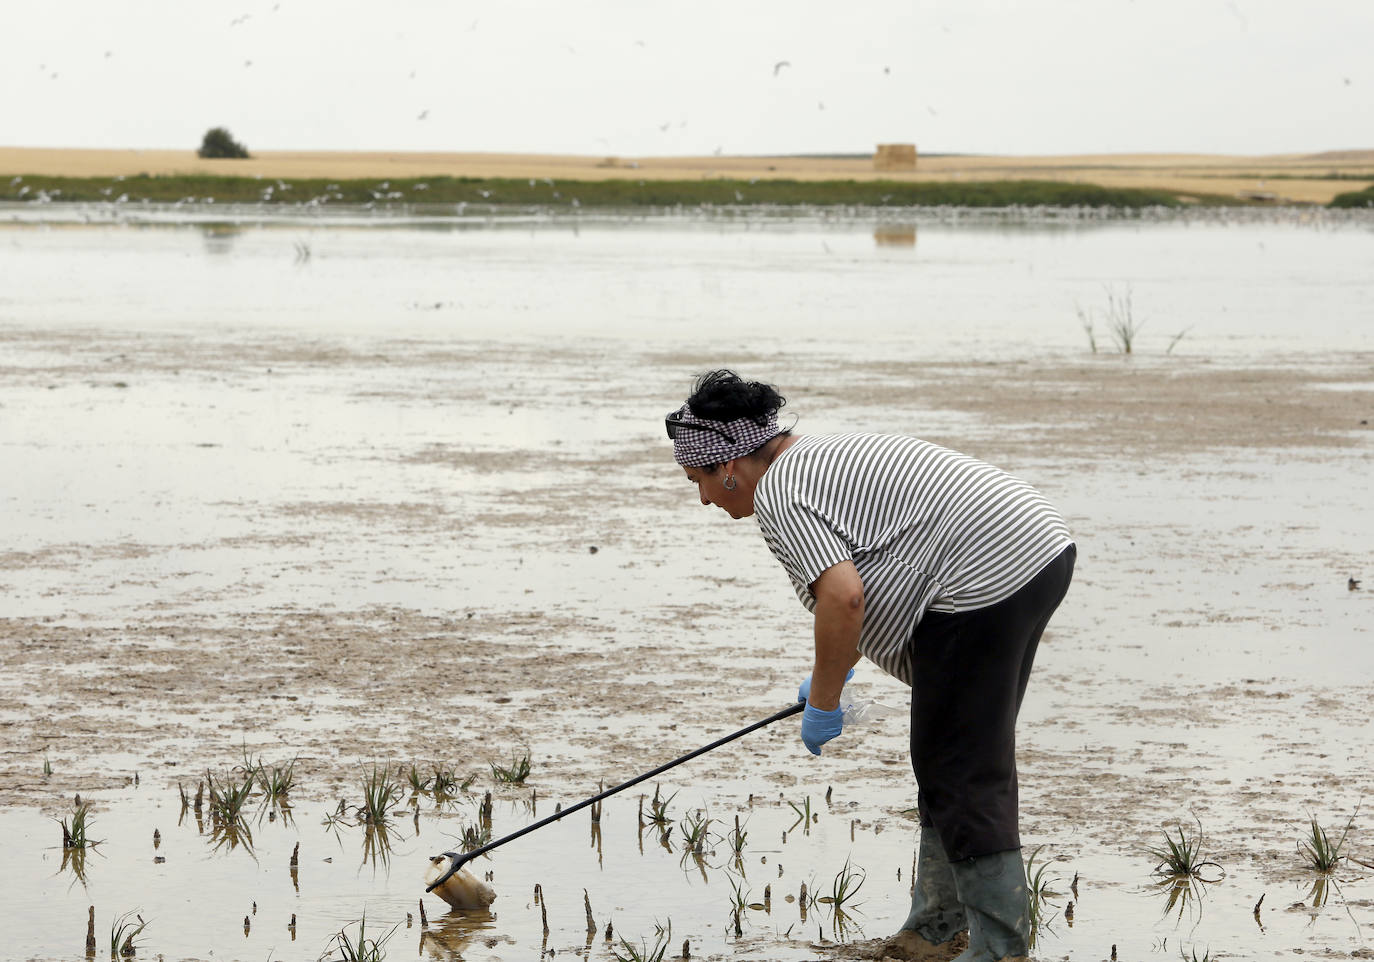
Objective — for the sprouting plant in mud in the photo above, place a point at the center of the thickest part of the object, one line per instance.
(658, 809)
(76, 840)
(804, 815)
(1182, 867)
(1120, 319)
(228, 798)
(358, 947)
(275, 781)
(1206, 955)
(124, 935)
(739, 895)
(515, 773)
(1322, 854)
(663, 935)
(736, 839)
(447, 782)
(1038, 887)
(475, 836)
(418, 782)
(76, 830)
(695, 830)
(845, 885)
(381, 794)
(336, 818)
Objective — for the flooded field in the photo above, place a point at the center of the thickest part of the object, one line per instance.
(394, 497)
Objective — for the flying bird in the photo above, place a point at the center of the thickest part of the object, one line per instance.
(777, 67)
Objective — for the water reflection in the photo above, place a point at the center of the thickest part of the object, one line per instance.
(220, 238)
(377, 845)
(1183, 892)
(895, 235)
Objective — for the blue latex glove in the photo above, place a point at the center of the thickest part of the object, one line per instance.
(804, 692)
(819, 726)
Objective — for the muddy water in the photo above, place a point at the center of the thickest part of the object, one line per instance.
(403, 497)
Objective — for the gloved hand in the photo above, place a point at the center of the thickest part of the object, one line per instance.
(819, 726)
(804, 692)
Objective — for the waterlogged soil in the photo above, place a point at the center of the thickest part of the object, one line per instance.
(363, 550)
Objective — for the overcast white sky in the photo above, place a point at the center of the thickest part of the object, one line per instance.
(641, 77)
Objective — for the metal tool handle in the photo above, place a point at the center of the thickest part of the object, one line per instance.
(460, 860)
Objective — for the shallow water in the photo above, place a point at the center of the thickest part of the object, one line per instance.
(343, 505)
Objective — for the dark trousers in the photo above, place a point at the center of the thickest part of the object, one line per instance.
(970, 670)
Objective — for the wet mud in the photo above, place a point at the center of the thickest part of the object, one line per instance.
(362, 550)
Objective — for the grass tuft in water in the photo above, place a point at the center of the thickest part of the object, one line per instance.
(76, 830)
(447, 782)
(474, 836)
(381, 793)
(276, 781)
(845, 885)
(736, 839)
(418, 783)
(227, 800)
(1182, 868)
(1122, 323)
(124, 935)
(1038, 886)
(1120, 320)
(1323, 855)
(359, 948)
(695, 830)
(1182, 857)
(663, 935)
(515, 773)
(658, 809)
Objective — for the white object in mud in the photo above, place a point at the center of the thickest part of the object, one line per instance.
(462, 889)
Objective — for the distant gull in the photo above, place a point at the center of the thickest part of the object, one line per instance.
(777, 67)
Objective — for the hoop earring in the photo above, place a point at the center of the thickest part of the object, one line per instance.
(730, 483)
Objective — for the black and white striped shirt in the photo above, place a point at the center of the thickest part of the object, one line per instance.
(926, 527)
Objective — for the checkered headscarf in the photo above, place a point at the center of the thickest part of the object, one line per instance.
(697, 448)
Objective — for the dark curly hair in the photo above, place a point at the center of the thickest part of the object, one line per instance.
(723, 395)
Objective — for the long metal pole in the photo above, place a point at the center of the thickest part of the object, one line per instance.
(460, 860)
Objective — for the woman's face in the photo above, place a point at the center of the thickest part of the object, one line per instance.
(738, 503)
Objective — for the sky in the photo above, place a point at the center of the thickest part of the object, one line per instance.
(637, 78)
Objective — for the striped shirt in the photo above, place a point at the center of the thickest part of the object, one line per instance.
(926, 527)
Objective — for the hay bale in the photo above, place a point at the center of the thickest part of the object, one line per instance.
(895, 157)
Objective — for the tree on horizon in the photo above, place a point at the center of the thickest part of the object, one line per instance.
(219, 143)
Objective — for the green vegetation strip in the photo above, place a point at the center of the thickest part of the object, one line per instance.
(631, 193)
(1355, 198)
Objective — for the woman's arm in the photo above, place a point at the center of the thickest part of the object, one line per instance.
(839, 614)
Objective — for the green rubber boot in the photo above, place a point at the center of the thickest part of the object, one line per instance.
(934, 930)
(936, 913)
(993, 891)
